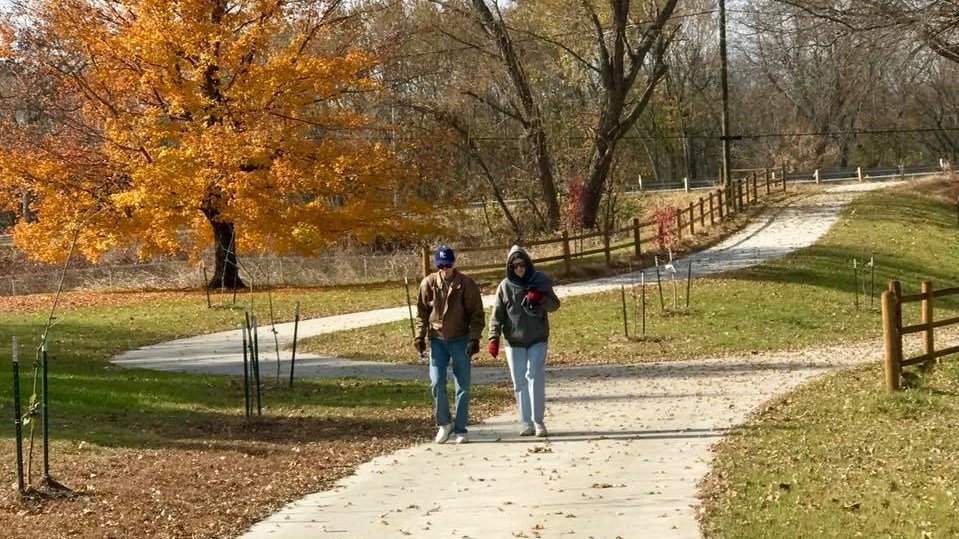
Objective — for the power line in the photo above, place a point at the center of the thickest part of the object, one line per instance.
(675, 16)
(710, 136)
(853, 132)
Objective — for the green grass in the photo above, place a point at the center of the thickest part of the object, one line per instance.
(838, 458)
(803, 299)
(96, 402)
(842, 458)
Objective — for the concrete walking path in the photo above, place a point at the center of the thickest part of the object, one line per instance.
(626, 446)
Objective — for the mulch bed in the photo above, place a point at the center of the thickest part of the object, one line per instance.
(216, 484)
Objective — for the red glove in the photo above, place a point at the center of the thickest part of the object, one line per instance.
(493, 347)
(534, 296)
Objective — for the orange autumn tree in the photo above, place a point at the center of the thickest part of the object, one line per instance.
(171, 123)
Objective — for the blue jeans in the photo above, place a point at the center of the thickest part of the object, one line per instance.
(440, 354)
(527, 368)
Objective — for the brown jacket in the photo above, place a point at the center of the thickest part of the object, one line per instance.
(457, 314)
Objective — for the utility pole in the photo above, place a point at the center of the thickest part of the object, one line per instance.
(724, 92)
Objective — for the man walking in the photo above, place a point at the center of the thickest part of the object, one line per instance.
(450, 313)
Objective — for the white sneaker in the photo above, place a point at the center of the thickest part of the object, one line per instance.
(527, 431)
(462, 438)
(444, 433)
(540, 430)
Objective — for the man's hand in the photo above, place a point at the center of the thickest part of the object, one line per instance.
(534, 296)
(420, 345)
(493, 348)
(472, 347)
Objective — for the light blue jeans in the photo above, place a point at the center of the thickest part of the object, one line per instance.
(441, 352)
(527, 367)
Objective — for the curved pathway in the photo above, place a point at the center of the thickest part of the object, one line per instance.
(773, 235)
(627, 443)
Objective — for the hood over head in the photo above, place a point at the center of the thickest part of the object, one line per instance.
(517, 252)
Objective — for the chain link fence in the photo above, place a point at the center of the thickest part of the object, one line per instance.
(33, 278)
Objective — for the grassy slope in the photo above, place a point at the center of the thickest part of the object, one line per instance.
(803, 299)
(841, 457)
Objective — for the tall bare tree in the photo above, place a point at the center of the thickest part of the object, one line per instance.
(628, 60)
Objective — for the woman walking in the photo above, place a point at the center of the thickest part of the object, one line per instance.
(520, 316)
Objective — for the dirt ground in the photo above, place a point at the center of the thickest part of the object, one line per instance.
(216, 485)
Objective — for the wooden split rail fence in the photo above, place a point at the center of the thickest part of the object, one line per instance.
(893, 330)
(712, 208)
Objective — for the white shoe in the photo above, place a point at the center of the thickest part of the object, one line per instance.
(527, 431)
(444, 433)
(462, 438)
(540, 430)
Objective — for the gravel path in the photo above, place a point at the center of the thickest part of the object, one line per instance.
(627, 443)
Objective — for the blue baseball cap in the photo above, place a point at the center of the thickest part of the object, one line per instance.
(443, 256)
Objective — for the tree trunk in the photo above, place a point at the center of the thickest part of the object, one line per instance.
(619, 65)
(602, 161)
(546, 181)
(226, 273)
(533, 120)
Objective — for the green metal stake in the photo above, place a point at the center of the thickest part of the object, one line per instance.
(855, 286)
(44, 411)
(206, 286)
(409, 304)
(276, 337)
(642, 304)
(659, 281)
(623, 297)
(256, 365)
(689, 280)
(672, 280)
(296, 325)
(17, 418)
(246, 371)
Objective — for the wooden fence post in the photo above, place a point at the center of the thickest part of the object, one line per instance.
(722, 210)
(891, 362)
(609, 260)
(679, 224)
(712, 218)
(929, 342)
(859, 174)
(755, 191)
(692, 221)
(566, 258)
(702, 213)
(425, 260)
(766, 176)
(636, 240)
(892, 339)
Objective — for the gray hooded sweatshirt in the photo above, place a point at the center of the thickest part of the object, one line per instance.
(514, 318)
